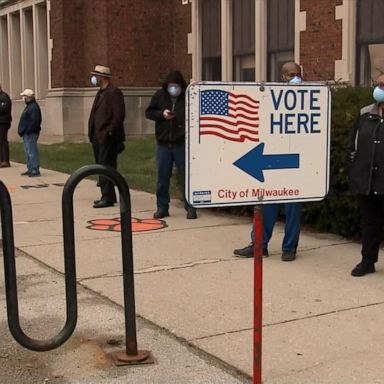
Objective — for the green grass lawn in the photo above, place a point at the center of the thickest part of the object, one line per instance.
(137, 163)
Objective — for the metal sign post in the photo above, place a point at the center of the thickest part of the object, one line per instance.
(257, 293)
(253, 144)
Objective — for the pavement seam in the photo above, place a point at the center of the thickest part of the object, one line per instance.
(157, 269)
(204, 355)
(290, 320)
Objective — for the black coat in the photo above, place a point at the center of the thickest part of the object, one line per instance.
(365, 153)
(107, 116)
(5, 108)
(168, 131)
(30, 119)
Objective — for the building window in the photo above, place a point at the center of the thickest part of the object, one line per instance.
(4, 53)
(369, 41)
(243, 40)
(15, 55)
(41, 57)
(28, 49)
(280, 36)
(24, 48)
(211, 39)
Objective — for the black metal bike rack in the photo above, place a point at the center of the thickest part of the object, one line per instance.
(131, 355)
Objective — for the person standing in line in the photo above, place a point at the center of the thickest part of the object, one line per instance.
(5, 124)
(365, 165)
(29, 129)
(290, 73)
(167, 110)
(106, 129)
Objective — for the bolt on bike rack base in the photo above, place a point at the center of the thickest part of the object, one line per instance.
(120, 358)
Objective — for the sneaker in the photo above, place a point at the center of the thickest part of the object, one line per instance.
(362, 269)
(191, 213)
(34, 174)
(288, 256)
(26, 173)
(248, 251)
(160, 213)
(103, 204)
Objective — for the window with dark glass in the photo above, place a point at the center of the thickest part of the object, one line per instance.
(243, 40)
(211, 39)
(280, 36)
(369, 41)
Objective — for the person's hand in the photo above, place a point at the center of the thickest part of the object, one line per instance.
(352, 156)
(168, 115)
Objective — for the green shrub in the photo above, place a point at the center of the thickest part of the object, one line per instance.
(338, 213)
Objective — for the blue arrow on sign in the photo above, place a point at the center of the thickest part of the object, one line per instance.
(255, 162)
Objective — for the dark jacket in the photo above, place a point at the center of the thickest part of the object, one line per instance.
(5, 109)
(107, 116)
(30, 119)
(168, 131)
(365, 153)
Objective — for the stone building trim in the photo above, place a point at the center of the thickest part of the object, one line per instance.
(261, 40)
(194, 42)
(226, 44)
(67, 111)
(345, 68)
(24, 40)
(300, 26)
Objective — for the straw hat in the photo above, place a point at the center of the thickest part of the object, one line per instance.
(100, 70)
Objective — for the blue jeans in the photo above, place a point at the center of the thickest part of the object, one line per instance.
(31, 152)
(292, 225)
(166, 156)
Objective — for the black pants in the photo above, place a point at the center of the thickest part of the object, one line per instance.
(4, 146)
(372, 220)
(106, 154)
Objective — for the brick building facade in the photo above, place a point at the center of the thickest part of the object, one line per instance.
(132, 37)
(320, 43)
(51, 46)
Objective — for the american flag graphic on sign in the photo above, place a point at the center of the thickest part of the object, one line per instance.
(229, 115)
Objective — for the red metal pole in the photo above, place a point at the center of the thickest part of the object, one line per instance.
(258, 293)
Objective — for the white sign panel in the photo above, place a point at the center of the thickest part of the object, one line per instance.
(252, 143)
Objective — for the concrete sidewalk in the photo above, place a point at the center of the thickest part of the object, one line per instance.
(193, 298)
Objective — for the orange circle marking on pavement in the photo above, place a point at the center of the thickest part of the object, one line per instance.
(138, 225)
(11, 188)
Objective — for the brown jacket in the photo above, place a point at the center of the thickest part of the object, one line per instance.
(107, 116)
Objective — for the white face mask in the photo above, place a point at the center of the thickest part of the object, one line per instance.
(295, 80)
(378, 94)
(94, 80)
(174, 90)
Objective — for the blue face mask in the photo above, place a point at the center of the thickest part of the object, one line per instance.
(174, 90)
(295, 80)
(94, 80)
(378, 94)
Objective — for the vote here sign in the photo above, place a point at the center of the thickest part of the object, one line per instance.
(252, 143)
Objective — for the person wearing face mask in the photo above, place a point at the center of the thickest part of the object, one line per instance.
(167, 110)
(5, 124)
(29, 129)
(365, 165)
(106, 129)
(290, 73)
